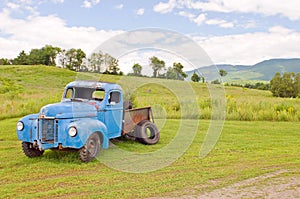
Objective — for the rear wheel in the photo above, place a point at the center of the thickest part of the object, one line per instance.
(30, 151)
(147, 133)
(91, 149)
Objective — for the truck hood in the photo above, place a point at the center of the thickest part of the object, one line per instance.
(68, 109)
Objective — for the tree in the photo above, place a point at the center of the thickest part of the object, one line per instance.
(195, 77)
(5, 61)
(297, 84)
(112, 65)
(178, 68)
(62, 57)
(275, 84)
(35, 57)
(171, 74)
(74, 59)
(157, 65)
(137, 69)
(96, 60)
(216, 81)
(22, 59)
(222, 73)
(49, 54)
(287, 85)
(45, 55)
(99, 61)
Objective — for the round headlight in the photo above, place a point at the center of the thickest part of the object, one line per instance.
(72, 131)
(20, 126)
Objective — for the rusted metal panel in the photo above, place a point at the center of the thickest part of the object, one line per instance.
(134, 116)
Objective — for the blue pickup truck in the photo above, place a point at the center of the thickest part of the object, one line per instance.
(88, 116)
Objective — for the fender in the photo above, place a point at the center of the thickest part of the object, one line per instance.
(85, 127)
(29, 122)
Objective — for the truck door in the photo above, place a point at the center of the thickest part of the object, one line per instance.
(114, 114)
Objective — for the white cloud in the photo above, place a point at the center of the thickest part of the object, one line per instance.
(119, 7)
(250, 24)
(187, 14)
(57, 1)
(37, 31)
(140, 11)
(28, 7)
(289, 9)
(87, 4)
(12, 6)
(251, 48)
(280, 30)
(220, 22)
(165, 7)
(199, 19)
(90, 3)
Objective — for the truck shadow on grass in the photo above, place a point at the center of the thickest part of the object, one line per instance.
(67, 156)
(72, 155)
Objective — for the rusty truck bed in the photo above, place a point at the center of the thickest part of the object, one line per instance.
(134, 116)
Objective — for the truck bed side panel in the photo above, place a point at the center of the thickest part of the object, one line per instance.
(134, 116)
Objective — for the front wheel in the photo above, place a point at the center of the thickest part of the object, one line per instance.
(91, 148)
(147, 133)
(30, 151)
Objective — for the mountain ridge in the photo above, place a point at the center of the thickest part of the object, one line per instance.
(261, 71)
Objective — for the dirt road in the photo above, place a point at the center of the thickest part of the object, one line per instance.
(280, 184)
(274, 185)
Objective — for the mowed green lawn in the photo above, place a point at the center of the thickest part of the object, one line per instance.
(244, 150)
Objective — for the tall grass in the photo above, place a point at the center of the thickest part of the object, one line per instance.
(263, 110)
(25, 89)
(242, 104)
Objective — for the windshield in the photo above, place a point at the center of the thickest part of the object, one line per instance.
(84, 93)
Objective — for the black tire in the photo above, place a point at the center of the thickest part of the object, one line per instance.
(147, 133)
(30, 151)
(91, 149)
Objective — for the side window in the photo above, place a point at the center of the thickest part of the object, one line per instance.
(69, 93)
(98, 95)
(114, 97)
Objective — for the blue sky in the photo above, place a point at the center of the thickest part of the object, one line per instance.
(230, 31)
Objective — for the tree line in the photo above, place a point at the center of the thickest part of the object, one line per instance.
(72, 59)
(286, 85)
(98, 62)
(160, 70)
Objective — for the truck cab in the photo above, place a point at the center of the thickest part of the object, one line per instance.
(88, 116)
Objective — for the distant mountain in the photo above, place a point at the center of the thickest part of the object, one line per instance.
(264, 70)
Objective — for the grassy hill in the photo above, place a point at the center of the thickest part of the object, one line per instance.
(262, 71)
(25, 89)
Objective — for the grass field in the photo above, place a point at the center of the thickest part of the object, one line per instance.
(245, 149)
(261, 135)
